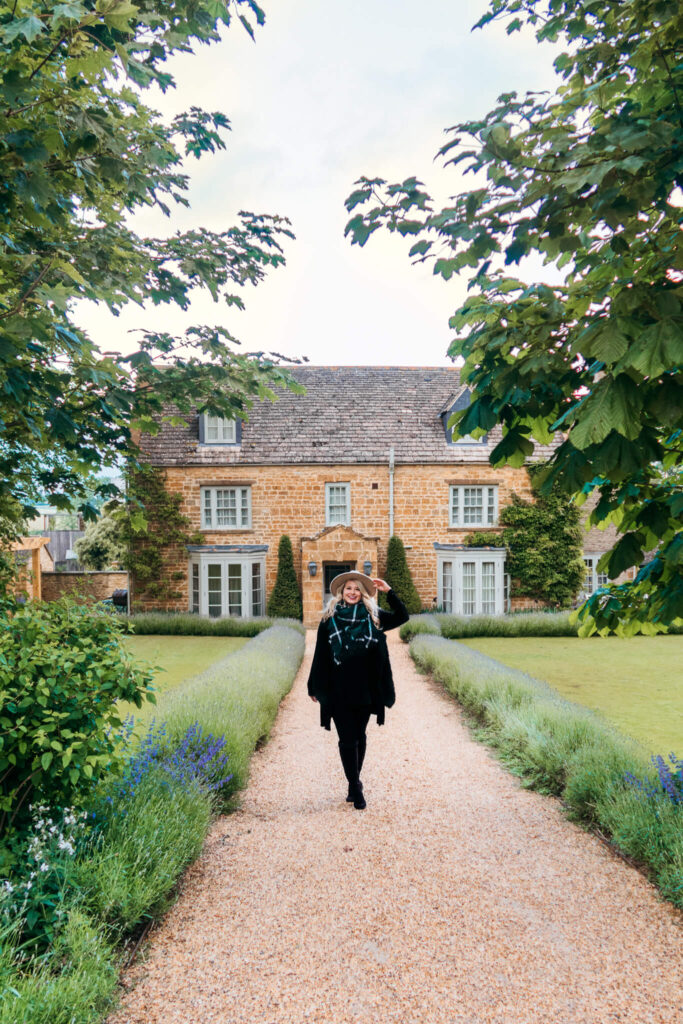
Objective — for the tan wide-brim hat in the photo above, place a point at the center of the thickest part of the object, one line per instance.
(366, 582)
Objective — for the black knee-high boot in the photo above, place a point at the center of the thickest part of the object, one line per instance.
(349, 759)
(362, 745)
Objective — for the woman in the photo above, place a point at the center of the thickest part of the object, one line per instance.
(351, 675)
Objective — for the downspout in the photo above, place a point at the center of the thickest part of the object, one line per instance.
(391, 492)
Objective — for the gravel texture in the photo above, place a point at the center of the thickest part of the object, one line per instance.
(456, 898)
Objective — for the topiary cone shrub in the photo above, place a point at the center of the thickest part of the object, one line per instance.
(398, 577)
(285, 599)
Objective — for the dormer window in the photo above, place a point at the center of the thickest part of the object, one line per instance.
(456, 403)
(218, 430)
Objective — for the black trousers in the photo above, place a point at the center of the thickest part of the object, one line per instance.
(350, 723)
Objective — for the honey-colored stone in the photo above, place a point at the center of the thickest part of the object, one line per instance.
(291, 500)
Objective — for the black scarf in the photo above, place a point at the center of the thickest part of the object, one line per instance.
(351, 630)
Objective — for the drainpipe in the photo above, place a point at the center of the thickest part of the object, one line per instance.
(391, 492)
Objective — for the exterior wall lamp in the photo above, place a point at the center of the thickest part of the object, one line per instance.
(312, 568)
(367, 568)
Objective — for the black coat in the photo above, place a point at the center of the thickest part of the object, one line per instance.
(322, 667)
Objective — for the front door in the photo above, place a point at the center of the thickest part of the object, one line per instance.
(330, 570)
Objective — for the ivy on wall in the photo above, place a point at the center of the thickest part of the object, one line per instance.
(152, 526)
(544, 546)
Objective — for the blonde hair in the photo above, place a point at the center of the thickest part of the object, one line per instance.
(368, 601)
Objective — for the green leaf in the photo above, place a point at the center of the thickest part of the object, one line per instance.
(30, 28)
(627, 552)
(613, 405)
(46, 760)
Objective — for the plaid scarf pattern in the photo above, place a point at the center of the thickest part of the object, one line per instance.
(350, 630)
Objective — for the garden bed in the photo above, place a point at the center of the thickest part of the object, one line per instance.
(113, 865)
(635, 683)
(604, 779)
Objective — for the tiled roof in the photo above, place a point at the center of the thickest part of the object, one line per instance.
(349, 414)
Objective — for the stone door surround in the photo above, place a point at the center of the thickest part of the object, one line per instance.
(333, 544)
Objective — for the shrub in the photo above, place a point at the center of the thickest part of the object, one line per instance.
(62, 670)
(417, 624)
(238, 697)
(102, 544)
(456, 627)
(188, 624)
(285, 599)
(561, 748)
(399, 578)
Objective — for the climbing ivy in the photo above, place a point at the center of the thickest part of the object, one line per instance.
(152, 526)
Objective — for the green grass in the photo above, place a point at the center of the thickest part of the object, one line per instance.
(636, 684)
(178, 658)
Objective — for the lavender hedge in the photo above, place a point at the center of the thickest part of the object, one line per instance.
(558, 747)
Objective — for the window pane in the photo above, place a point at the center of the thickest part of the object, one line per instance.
(226, 507)
(602, 578)
(256, 589)
(195, 588)
(227, 431)
(337, 504)
(207, 508)
(219, 430)
(491, 507)
(488, 588)
(215, 579)
(588, 582)
(234, 590)
(447, 594)
(245, 506)
(473, 505)
(455, 511)
(468, 588)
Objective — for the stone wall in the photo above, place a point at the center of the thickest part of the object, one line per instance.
(291, 500)
(96, 586)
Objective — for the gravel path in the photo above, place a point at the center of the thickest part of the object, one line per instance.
(455, 898)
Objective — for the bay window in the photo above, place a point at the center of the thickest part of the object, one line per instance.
(228, 584)
(471, 581)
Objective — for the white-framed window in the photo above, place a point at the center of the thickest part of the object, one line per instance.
(473, 506)
(337, 504)
(594, 579)
(472, 581)
(217, 430)
(227, 584)
(226, 508)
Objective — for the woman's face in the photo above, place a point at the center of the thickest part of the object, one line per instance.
(351, 592)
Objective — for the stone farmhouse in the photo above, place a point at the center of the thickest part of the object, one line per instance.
(365, 453)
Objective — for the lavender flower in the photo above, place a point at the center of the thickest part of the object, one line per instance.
(198, 760)
(670, 781)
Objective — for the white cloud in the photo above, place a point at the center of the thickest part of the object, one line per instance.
(331, 91)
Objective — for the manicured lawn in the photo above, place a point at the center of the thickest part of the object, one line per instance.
(178, 658)
(637, 684)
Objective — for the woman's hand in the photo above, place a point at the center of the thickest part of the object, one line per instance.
(381, 585)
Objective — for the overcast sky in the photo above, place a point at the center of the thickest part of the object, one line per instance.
(328, 92)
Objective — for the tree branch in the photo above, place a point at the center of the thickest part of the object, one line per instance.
(38, 281)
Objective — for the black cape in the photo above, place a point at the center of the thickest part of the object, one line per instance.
(323, 667)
